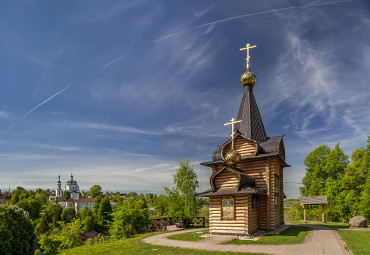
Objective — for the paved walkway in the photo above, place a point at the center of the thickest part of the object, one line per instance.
(321, 240)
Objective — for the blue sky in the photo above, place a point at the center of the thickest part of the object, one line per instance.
(118, 92)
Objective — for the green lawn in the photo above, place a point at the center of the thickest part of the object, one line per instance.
(329, 224)
(293, 234)
(135, 246)
(358, 242)
(289, 203)
(190, 236)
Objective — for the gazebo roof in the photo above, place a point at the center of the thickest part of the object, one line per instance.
(319, 200)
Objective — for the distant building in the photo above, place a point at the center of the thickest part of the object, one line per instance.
(59, 191)
(5, 198)
(85, 202)
(64, 202)
(73, 188)
(88, 235)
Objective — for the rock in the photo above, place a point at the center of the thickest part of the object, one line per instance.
(358, 222)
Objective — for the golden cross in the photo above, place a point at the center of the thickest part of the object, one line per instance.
(232, 123)
(247, 47)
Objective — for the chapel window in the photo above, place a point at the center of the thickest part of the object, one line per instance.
(227, 208)
(276, 199)
(277, 180)
(254, 202)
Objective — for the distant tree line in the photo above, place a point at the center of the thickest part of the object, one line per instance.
(346, 183)
(56, 228)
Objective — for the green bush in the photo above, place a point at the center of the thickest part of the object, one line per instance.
(16, 232)
(64, 237)
(130, 218)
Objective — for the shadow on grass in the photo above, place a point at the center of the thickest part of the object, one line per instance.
(189, 236)
(293, 231)
(292, 235)
(335, 225)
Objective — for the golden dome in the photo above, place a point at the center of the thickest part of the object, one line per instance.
(232, 157)
(248, 78)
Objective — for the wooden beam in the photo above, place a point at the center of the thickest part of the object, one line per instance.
(323, 213)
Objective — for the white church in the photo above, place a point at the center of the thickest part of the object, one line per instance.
(71, 186)
(75, 200)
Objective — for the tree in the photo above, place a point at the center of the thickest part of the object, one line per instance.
(315, 163)
(64, 237)
(182, 198)
(31, 205)
(130, 218)
(97, 204)
(346, 184)
(87, 219)
(66, 194)
(68, 214)
(321, 164)
(96, 191)
(105, 210)
(16, 232)
(50, 215)
(161, 205)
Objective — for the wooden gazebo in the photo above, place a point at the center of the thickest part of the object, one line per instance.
(320, 200)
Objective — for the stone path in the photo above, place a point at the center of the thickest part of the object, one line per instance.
(321, 240)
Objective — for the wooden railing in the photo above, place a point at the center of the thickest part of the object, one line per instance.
(199, 221)
(160, 224)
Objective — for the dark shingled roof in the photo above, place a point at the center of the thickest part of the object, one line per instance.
(251, 125)
(270, 146)
(220, 192)
(217, 154)
(88, 235)
(246, 184)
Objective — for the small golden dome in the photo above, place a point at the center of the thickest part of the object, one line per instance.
(248, 78)
(232, 157)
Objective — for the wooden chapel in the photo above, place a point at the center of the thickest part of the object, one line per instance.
(246, 192)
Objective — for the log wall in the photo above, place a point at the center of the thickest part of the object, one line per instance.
(226, 180)
(238, 226)
(262, 212)
(256, 169)
(253, 225)
(267, 216)
(247, 148)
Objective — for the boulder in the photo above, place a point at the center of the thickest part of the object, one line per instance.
(358, 222)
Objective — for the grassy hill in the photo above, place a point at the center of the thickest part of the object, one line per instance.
(135, 246)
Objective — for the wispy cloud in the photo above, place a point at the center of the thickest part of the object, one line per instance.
(38, 106)
(201, 13)
(324, 107)
(3, 114)
(269, 11)
(99, 12)
(108, 127)
(196, 127)
(212, 23)
(59, 147)
(115, 60)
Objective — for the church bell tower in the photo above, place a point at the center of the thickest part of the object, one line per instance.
(59, 191)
